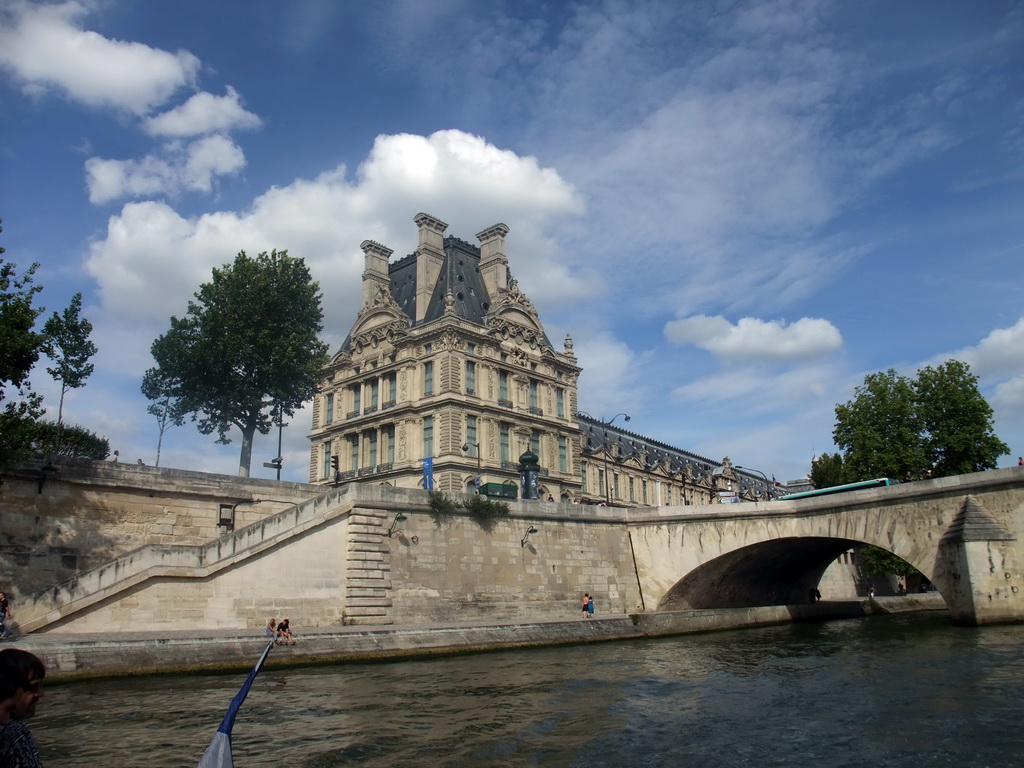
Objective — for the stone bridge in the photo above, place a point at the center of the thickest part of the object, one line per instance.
(964, 533)
(370, 554)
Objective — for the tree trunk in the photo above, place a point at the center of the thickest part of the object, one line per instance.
(159, 444)
(60, 419)
(245, 459)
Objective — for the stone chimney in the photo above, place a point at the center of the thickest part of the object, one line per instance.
(429, 257)
(493, 264)
(375, 271)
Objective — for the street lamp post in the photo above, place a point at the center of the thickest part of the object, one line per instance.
(768, 485)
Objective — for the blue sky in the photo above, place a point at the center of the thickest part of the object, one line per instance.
(736, 209)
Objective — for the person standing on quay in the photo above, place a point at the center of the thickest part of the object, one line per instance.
(5, 617)
(21, 688)
(586, 605)
(590, 607)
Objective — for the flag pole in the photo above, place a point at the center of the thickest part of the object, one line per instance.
(218, 754)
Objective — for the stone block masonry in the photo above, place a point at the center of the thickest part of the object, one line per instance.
(328, 561)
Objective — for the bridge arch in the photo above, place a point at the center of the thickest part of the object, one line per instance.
(774, 572)
(960, 532)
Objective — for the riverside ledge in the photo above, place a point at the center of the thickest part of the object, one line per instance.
(75, 657)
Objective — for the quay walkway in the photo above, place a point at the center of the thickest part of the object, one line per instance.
(79, 656)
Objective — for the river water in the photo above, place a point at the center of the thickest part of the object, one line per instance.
(908, 690)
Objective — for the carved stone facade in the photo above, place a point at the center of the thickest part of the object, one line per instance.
(448, 360)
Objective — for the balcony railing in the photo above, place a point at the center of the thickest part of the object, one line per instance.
(536, 411)
(387, 404)
(365, 471)
(369, 409)
(504, 403)
(351, 414)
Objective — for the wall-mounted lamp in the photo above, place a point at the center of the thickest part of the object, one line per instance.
(399, 518)
(526, 536)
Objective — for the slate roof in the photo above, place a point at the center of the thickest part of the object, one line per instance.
(597, 434)
(460, 273)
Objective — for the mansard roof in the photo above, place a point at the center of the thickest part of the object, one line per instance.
(459, 275)
(598, 435)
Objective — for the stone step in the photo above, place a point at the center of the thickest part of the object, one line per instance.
(364, 546)
(355, 557)
(367, 592)
(368, 621)
(359, 568)
(368, 602)
(366, 610)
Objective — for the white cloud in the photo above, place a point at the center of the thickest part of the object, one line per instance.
(190, 167)
(203, 113)
(752, 339)
(611, 373)
(999, 354)
(998, 362)
(152, 259)
(1008, 398)
(46, 49)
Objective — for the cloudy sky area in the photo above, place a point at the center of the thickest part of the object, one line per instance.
(736, 209)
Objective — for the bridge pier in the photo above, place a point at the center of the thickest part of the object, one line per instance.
(982, 578)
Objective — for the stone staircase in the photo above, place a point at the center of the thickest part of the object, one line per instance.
(152, 561)
(368, 574)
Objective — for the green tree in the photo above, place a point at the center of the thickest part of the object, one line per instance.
(957, 421)
(167, 409)
(68, 346)
(20, 347)
(879, 562)
(827, 470)
(247, 346)
(880, 430)
(69, 440)
(899, 427)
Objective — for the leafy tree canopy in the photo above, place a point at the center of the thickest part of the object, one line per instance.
(879, 562)
(880, 429)
(247, 346)
(20, 347)
(957, 421)
(168, 410)
(69, 440)
(827, 470)
(67, 344)
(936, 423)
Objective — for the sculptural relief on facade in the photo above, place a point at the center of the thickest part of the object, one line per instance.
(372, 338)
(449, 341)
(519, 357)
(504, 329)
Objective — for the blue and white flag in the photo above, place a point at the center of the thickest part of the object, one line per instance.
(218, 754)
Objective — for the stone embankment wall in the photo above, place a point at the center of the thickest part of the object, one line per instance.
(59, 519)
(464, 572)
(340, 567)
(98, 547)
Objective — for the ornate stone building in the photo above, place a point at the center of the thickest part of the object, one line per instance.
(448, 361)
